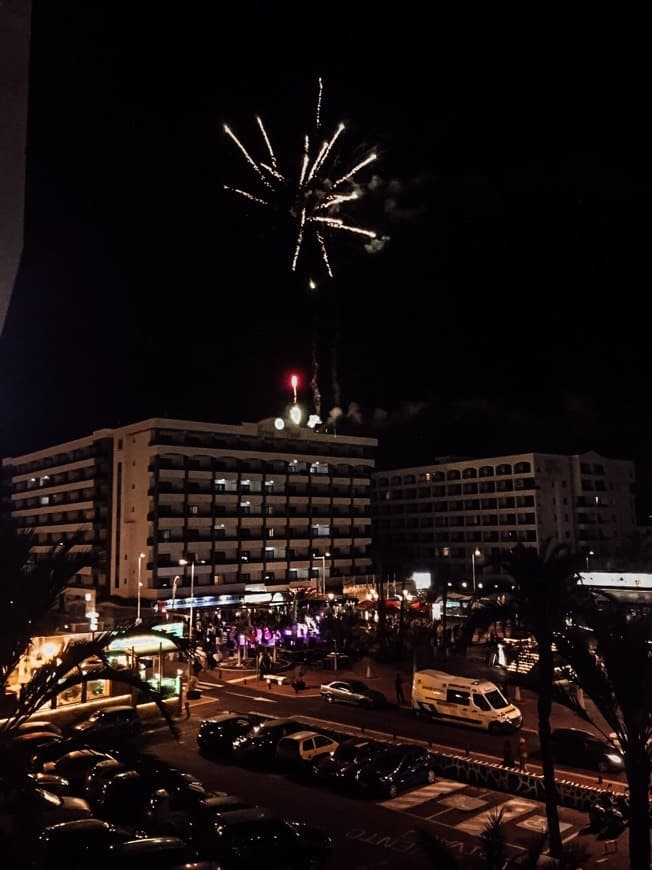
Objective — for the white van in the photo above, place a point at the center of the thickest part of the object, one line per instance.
(477, 703)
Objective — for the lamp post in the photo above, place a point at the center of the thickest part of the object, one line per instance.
(175, 583)
(588, 555)
(141, 556)
(323, 571)
(475, 554)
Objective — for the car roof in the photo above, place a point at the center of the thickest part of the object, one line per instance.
(90, 824)
(300, 735)
(252, 814)
(118, 708)
(575, 732)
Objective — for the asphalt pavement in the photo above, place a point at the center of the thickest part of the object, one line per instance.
(604, 854)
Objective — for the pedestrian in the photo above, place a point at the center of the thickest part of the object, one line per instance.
(187, 708)
(508, 753)
(400, 697)
(522, 754)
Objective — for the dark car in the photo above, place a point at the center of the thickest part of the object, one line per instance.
(583, 749)
(22, 748)
(26, 811)
(109, 725)
(352, 692)
(194, 824)
(338, 768)
(395, 769)
(259, 744)
(75, 766)
(150, 853)
(51, 782)
(77, 845)
(216, 735)
(100, 774)
(124, 798)
(258, 838)
(51, 751)
(31, 725)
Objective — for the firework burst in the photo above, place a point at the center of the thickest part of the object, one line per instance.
(314, 194)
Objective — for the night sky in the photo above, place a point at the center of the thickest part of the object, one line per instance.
(506, 312)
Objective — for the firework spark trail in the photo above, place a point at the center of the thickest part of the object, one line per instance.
(339, 224)
(246, 195)
(299, 239)
(311, 200)
(318, 112)
(267, 142)
(248, 157)
(355, 169)
(324, 253)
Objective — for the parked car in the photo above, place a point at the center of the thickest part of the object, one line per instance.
(100, 774)
(296, 752)
(109, 725)
(395, 769)
(259, 744)
(216, 735)
(31, 725)
(353, 692)
(258, 838)
(24, 812)
(194, 824)
(151, 853)
(51, 751)
(51, 782)
(583, 749)
(75, 766)
(124, 798)
(77, 845)
(23, 747)
(338, 768)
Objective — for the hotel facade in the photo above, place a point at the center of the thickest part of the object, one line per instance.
(458, 514)
(251, 509)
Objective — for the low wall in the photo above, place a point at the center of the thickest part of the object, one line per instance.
(499, 778)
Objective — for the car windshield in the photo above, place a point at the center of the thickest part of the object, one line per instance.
(345, 752)
(497, 699)
(356, 686)
(388, 761)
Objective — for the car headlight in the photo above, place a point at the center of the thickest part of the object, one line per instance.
(613, 758)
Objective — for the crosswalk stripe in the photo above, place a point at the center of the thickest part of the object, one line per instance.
(422, 795)
(511, 809)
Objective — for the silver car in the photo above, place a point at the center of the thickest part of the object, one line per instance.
(352, 692)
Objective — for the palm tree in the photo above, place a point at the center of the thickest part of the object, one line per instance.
(545, 587)
(30, 587)
(621, 692)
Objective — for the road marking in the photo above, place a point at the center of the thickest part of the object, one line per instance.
(511, 809)
(422, 795)
(540, 824)
(240, 695)
(210, 685)
(465, 802)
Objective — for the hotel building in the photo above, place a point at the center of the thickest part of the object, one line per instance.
(459, 513)
(252, 509)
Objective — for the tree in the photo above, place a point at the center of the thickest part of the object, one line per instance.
(30, 587)
(545, 589)
(620, 689)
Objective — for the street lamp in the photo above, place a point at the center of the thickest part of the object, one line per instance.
(175, 583)
(323, 571)
(141, 556)
(474, 555)
(590, 553)
(192, 591)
